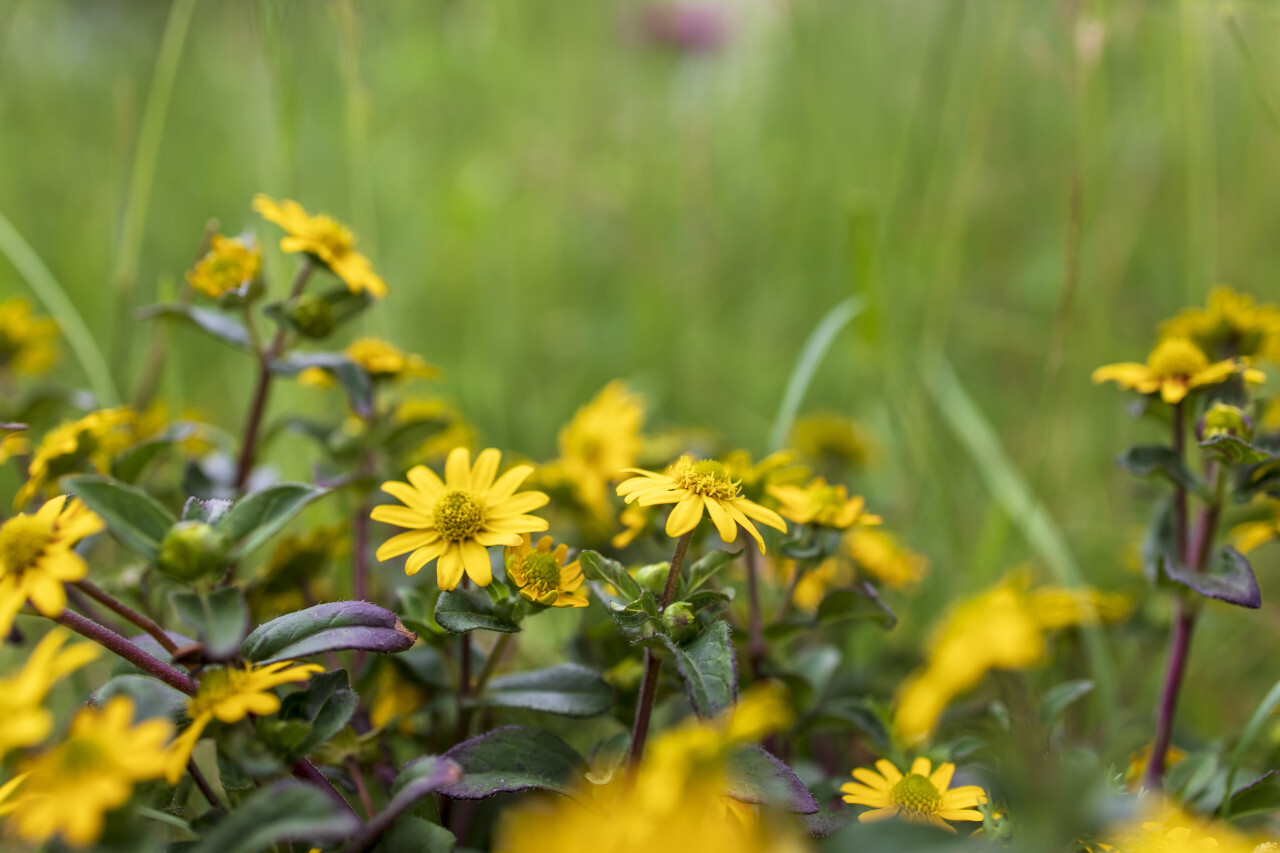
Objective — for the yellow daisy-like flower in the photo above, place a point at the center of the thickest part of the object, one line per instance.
(231, 694)
(776, 469)
(1175, 367)
(394, 698)
(634, 520)
(694, 486)
(383, 360)
(602, 439)
(68, 447)
(1230, 324)
(883, 557)
(922, 795)
(1252, 534)
(26, 342)
(26, 721)
(453, 521)
(542, 574)
(325, 239)
(814, 584)
(824, 505)
(37, 557)
(67, 791)
(230, 264)
(1164, 828)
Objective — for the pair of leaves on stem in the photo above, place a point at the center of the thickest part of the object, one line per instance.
(1228, 576)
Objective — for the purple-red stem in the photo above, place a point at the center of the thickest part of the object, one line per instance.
(128, 613)
(757, 648)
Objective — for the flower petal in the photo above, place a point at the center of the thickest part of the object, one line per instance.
(486, 468)
(475, 560)
(457, 469)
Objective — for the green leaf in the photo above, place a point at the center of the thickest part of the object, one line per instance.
(419, 778)
(210, 511)
(1147, 459)
(636, 613)
(1229, 578)
(463, 610)
(133, 460)
(331, 627)
(325, 706)
(1060, 697)
(220, 326)
(515, 758)
(412, 834)
(753, 775)
(1234, 451)
(285, 812)
(138, 520)
(151, 697)
(220, 618)
(705, 598)
(1260, 796)
(846, 605)
(417, 609)
(352, 377)
(604, 570)
(1261, 715)
(256, 518)
(566, 689)
(707, 665)
(705, 569)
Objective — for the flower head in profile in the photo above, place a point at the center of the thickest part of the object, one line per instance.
(824, 505)
(695, 486)
(90, 441)
(879, 554)
(1231, 324)
(603, 437)
(323, 238)
(27, 721)
(37, 556)
(230, 695)
(383, 360)
(26, 342)
(67, 791)
(542, 574)
(921, 795)
(1175, 368)
(230, 264)
(455, 519)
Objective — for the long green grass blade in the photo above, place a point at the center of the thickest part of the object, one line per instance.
(56, 301)
(1256, 722)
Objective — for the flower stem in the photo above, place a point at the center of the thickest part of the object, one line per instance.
(653, 664)
(308, 772)
(205, 788)
(491, 663)
(118, 607)
(112, 641)
(464, 688)
(757, 647)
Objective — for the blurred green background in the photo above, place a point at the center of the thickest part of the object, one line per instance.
(556, 200)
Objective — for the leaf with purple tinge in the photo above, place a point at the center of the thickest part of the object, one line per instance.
(1228, 578)
(332, 627)
(753, 775)
(515, 758)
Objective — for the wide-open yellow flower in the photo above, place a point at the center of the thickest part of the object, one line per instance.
(603, 437)
(67, 791)
(37, 557)
(694, 486)
(230, 264)
(543, 575)
(26, 342)
(453, 521)
(921, 795)
(879, 554)
(27, 721)
(1231, 324)
(823, 504)
(231, 694)
(92, 440)
(1175, 367)
(325, 239)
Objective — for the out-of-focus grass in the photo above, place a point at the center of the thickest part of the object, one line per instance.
(555, 204)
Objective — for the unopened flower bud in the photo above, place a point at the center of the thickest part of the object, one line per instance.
(1225, 419)
(654, 578)
(312, 315)
(678, 621)
(192, 550)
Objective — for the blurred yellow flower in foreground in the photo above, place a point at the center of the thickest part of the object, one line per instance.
(13, 444)
(230, 264)
(1231, 324)
(1175, 367)
(394, 698)
(26, 721)
(66, 448)
(695, 486)
(879, 554)
(1004, 627)
(543, 575)
(37, 556)
(823, 504)
(921, 795)
(26, 342)
(1163, 828)
(454, 520)
(673, 800)
(231, 694)
(325, 239)
(69, 789)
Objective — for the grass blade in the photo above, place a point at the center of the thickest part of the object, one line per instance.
(1259, 718)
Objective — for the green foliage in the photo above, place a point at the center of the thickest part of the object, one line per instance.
(709, 669)
(464, 610)
(138, 520)
(327, 628)
(286, 811)
(514, 758)
(566, 689)
(220, 618)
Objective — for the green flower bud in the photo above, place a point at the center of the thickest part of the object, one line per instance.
(192, 550)
(1224, 419)
(312, 315)
(678, 621)
(653, 578)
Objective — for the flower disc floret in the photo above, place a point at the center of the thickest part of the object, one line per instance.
(706, 477)
(458, 516)
(542, 574)
(916, 794)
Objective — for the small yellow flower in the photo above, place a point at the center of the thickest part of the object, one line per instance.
(635, 519)
(603, 438)
(68, 447)
(1139, 760)
(813, 585)
(453, 521)
(1163, 828)
(883, 557)
(230, 264)
(1231, 324)
(776, 469)
(383, 360)
(26, 342)
(824, 505)
(394, 698)
(922, 795)
(1175, 367)
(67, 791)
(231, 694)
(26, 721)
(694, 487)
(1252, 534)
(37, 556)
(542, 574)
(13, 444)
(325, 239)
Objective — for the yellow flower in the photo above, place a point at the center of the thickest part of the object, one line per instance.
(824, 505)
(1164, 828)
(828, 436)
(778, 468)
(455, 520)
(1174, 368)
(66, 448)
(812, 587)
(230, 264)
(395, 697)
(1252, 534)
(1231, 324)
(26, 342)
(26, 721)
(453, 430)
(883, 557)
(1139, 760)
(316, 377)
(325, 239)
(383, 360)
(542, 574)
(602, 439)
(13, 444)
(231, 694)
(922, 795)
(37, 556)
(69, 789)
(695, 486)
